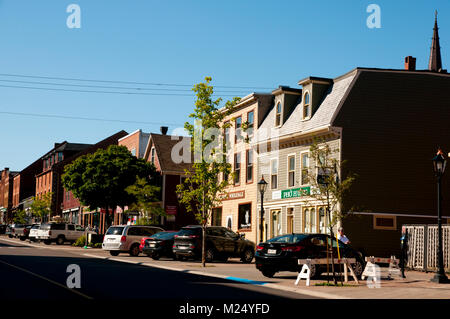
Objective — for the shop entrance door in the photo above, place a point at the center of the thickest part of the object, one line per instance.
(275, 224)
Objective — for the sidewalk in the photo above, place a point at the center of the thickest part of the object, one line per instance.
(417, 284)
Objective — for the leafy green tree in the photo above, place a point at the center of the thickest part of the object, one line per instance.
(100, 179)
(203, 187)
(20, 217)
(328, 188)
(147, 201)
(41, 206)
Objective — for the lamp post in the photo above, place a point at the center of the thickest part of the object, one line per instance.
(262, 185)
(439, 163)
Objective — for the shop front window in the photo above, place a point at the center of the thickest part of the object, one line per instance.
(245, 216)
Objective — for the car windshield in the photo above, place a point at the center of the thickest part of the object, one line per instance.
(114, 231)
(35, 227)
(164, 235)
(189, 231)
(45, 227)
(288, 239)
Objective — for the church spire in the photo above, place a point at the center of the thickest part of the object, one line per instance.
(435, 63)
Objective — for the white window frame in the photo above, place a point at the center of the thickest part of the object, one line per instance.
(301, 166)
(153, 155)
(288, 171)
(309, 105)
(276, 113)
(278, 168)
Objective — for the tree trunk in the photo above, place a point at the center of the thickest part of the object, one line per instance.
(331, 234)
(203, 232)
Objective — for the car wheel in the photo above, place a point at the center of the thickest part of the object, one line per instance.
(134, 250)
(47, 242)
(60, 240)
(247, 256)
(10, 236)
(209, 255)
(358, 268)
(22, 238)
(114, 252)
(223, 258)
(155, 256)
(268, 273)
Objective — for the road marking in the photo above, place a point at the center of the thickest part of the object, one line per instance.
(48, 280)
(268, 285)
(247, 281)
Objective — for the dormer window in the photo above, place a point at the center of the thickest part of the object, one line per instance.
(278, 115)
(306, 106)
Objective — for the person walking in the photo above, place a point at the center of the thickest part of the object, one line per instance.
(342, 236)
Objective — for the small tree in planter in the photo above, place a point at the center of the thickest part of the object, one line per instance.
(203, 187)
(327, 186)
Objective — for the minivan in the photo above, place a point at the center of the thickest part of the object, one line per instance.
(127, 238)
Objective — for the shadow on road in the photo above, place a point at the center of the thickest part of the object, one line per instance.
(107, 279)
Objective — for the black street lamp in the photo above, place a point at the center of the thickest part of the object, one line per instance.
(439, 163)
(262, 185)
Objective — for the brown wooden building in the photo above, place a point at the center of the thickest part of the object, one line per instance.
(387, 124)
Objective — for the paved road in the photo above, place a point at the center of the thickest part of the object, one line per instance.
(41, 273)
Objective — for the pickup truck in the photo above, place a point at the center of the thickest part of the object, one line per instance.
(60, 233)
(18, 230)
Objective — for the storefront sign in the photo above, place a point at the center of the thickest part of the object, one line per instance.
(234, 195)
(291, 193)
(171, 210)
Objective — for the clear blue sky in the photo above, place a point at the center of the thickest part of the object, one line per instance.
(238, 43)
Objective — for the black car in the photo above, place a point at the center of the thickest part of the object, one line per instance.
(221, 243)
(282, 253)
(159, 245)
(25, 232)
(3, 229)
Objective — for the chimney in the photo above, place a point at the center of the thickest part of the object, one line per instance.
(410, 63)
(164, 130)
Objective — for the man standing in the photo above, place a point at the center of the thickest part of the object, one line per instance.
(342, 237)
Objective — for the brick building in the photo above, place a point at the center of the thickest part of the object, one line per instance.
(49, 179)
(238, 208)
(25, 186)
(6, 194)
(72, 209)
(159, 152)
(136, 143)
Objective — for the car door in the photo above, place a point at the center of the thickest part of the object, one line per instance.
(214, 237)
(79, 231)
(231, 242)
(318, 247)
(71, 234)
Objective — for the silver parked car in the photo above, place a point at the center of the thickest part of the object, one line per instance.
(127, 238)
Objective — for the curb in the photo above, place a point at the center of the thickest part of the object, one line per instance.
(38, 246)
(195, 272)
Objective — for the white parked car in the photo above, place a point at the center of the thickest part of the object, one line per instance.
(34, 232)
(60, 233)
(127, 238)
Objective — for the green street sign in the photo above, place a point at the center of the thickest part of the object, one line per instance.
(295, 192)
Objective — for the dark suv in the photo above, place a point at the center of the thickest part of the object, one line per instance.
(221, 243)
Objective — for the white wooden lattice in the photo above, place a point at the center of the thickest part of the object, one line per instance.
(419, 248)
